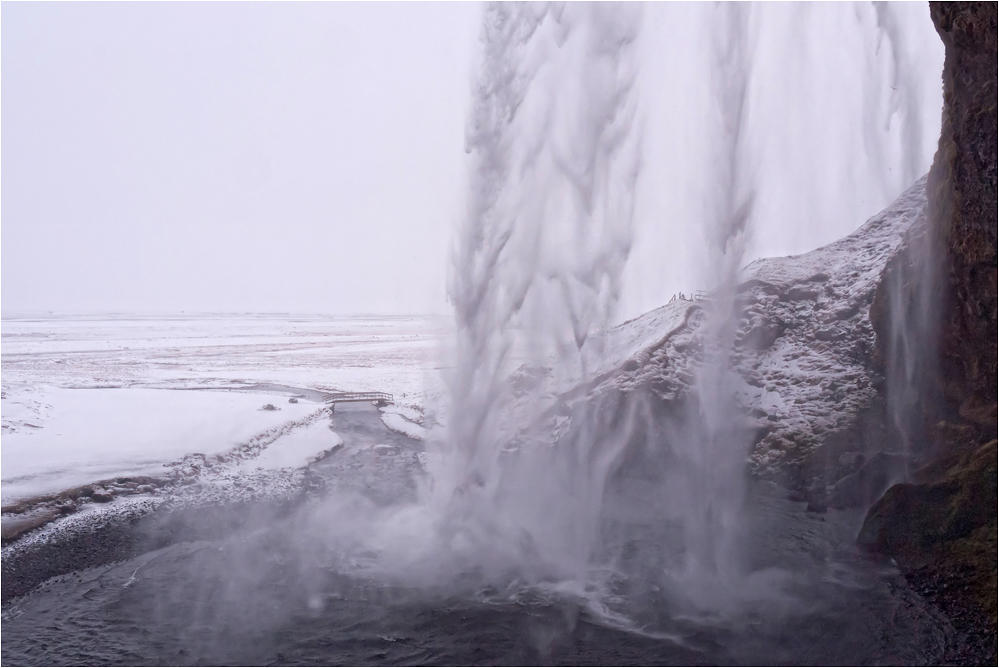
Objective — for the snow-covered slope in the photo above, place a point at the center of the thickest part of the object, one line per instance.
(105, 413)
(405, 421)
(804, 346)
(76, 437)
(92, 398)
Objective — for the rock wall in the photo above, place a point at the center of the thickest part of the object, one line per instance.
(962, 198)
(941, 527)
(941, 531)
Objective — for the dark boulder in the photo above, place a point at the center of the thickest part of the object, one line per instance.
(944, 531)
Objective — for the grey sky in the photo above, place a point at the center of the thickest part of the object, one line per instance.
(189, 156)
(310, 157)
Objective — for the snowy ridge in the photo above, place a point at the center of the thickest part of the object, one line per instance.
(630, 338)
(804, 342)
(81, 436)
(270, 466)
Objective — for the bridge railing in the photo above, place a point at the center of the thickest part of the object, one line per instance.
(338, 397)
(695, 296)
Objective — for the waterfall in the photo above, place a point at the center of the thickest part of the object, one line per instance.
(554, 138)
(554, 143)
(912, 291)
(711, 445)
(538, 478)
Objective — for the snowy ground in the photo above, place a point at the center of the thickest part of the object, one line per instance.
(408, 425)
(80, 436)
(87, 398)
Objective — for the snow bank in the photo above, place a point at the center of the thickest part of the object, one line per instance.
(297, 449)
(411, 414)
(804, 343)
(62, 438)
(87, 398)
(397, 423)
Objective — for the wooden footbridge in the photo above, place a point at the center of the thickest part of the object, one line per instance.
(377, 398)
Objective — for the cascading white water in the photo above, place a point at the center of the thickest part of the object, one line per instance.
(538, 267)
(518, 489)
(913, 279)
(711, 446)
(554, 144)
(831, 142)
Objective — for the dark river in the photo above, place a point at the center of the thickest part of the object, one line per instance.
(266, 595)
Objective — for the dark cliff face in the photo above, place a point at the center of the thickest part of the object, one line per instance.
(934, 309)
(941, 526)
(962, 199)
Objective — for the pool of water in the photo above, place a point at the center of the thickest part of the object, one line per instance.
(281, 591)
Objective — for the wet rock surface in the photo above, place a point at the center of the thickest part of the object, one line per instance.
(941, 526)
(265, 593)
(942, 533)
(865, 485)
(963, 202)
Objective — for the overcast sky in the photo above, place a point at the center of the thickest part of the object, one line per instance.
(264, 157)
(166, 157)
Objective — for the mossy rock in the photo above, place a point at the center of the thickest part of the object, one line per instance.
(945, 530)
